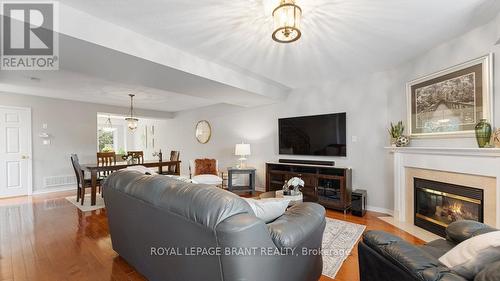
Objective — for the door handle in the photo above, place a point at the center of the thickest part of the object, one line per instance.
(25, 157)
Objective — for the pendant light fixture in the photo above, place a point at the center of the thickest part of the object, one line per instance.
(108, 126)
(287, 22)
(132, 122)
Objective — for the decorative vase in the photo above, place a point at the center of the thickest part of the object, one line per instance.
(393, 141)
(483, 133)
(286, 189)
(402, 141)
(296, 190)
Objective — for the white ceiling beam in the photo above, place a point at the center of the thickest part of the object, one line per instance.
(78, 24)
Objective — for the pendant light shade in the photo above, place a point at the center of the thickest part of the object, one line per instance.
(108, 126)
(132, 122)
(287, 18)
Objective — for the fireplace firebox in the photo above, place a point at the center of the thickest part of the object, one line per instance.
(437, 204)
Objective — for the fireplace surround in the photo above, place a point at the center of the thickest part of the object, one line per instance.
(470, 167)
(437, 204)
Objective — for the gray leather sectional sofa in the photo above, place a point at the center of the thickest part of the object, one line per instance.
(172, 230)
(385, 257)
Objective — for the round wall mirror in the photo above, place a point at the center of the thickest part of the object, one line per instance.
(203, 131)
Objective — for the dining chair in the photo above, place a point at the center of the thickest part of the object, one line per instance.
(81, 181)
(174, 156)
(105, 159)
(139, 155)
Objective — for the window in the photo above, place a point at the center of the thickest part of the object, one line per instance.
(106, 140)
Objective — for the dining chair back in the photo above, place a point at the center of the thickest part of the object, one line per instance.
(174, 156)
(105, 159)
(137, 155)
(80, 180)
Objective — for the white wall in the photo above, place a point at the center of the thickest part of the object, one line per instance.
(73, 126)
(371, 102)
(471, 45)
(362, 98)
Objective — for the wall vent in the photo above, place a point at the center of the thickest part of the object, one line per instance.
(59, 181)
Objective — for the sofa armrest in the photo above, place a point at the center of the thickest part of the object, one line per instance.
(296, 224)
(408, 257)
(464, 229)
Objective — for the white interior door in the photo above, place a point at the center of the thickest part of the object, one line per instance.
(15, 151)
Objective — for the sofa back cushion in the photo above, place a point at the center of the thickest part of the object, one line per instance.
(472, 255)
(205, 167)
(202, 204)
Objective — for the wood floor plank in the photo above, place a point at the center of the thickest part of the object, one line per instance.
(45, 237)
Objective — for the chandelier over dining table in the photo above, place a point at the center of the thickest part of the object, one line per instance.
(132, 121)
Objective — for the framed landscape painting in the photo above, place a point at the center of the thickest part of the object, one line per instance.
(452, 101)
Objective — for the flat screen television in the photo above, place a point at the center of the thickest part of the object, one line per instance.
(323, 135)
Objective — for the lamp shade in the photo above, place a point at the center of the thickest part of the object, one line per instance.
(242, 149)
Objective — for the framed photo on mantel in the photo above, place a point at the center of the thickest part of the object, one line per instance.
(449, 103)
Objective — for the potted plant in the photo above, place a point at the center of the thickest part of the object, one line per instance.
(296, 183)
(395, 131)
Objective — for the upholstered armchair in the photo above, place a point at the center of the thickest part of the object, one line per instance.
(205, 171)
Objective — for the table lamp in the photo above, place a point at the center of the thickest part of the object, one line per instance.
(242, 150)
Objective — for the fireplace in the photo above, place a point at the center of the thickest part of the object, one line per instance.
(437, 204)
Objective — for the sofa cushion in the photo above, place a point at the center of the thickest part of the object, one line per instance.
(268, 209)
(491, 272)
(207, 179)
(464, 229)
(205, 167)
(203, 204)
(472, 255)
(438, 247)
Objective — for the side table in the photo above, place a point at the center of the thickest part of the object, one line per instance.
(241, 171)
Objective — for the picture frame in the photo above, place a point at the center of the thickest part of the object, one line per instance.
(450, 102)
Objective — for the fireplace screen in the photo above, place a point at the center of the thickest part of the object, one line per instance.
(438, 204)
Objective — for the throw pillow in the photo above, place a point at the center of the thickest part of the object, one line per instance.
(181, 178)
(205, 167)
(472, 255)
(268, 209)
(141, 169)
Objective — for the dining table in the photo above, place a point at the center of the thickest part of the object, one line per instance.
(94, 170)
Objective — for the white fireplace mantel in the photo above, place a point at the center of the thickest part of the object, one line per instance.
(470, 161)
(465, 151)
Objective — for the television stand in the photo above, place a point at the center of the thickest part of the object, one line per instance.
(329, 186)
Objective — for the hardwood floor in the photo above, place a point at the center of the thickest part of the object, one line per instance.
(45, 237)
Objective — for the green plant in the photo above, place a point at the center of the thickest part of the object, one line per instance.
(107, 148)
(396, 130)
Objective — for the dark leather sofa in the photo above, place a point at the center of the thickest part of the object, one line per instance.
(156, 223)
(385, 257)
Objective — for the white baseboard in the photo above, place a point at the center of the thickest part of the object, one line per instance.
(55, 189)
(380, 210)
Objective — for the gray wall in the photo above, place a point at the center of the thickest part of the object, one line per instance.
(73, 126)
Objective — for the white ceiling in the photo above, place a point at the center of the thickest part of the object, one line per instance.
(79, 87)
(340, 37)
(92, 73)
